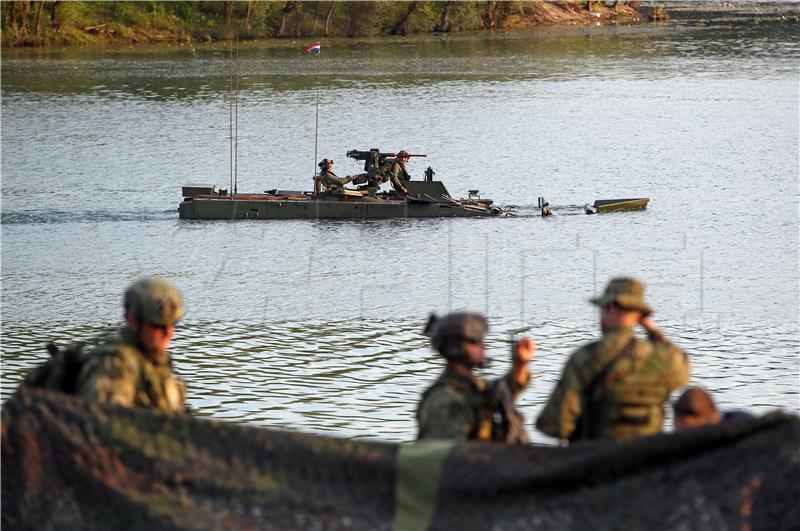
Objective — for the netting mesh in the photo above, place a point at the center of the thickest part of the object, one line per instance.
(72, 464)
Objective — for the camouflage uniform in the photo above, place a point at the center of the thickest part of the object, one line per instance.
(462, 406)
(615, 388)
(394, 170)
(120, 372)
(458, 406)
(331, 182)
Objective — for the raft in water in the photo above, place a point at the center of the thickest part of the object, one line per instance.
(603, 206)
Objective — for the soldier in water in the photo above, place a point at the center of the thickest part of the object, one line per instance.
(134, 368)
(330, 181)
(459, 405)
(616, 388)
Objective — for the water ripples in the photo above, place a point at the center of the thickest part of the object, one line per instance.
(97, 216)
(363, 380)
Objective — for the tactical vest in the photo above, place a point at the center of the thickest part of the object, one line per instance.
(492, 409)
(156, 387)
(628, 401)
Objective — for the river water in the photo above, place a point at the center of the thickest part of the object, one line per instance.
(315, 325)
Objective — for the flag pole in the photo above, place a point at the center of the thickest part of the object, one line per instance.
(316, 123)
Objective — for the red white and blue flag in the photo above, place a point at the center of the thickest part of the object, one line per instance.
(314, 48)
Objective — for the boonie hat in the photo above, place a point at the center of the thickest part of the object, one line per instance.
(155, 301)
(626, 292)
(460, 325)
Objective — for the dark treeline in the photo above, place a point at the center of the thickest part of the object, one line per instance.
(41, 23)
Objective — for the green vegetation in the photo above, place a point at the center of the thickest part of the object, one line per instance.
(41, 23)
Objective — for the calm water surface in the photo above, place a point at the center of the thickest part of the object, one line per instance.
(315, 325)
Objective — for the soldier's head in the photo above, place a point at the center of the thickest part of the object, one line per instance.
(459, 337)
(325, 163)
(402, 156)
(622, 303)
(695, 407)
(153, 306)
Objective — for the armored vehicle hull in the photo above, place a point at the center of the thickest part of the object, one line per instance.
(426, 199)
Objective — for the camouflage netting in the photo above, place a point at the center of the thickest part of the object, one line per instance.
(71, 464)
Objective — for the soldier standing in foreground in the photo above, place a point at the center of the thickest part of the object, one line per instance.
(134, 368)
(460, 405)
(615, 388)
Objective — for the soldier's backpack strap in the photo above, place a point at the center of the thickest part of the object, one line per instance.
(582, 428)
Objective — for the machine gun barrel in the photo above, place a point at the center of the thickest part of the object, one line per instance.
(364, 155)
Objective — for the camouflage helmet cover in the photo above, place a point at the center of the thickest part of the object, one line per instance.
(459, 326)
(626, 292)
(154, 300)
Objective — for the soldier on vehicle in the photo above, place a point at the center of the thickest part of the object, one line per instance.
(616, 388)
(134, 368)
(394, 170)
(459, 405)
(329, 179)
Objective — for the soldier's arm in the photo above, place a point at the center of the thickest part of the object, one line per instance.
(560, 414)
(108, 379)
(521, 357)
(680, 367)
(445, 415)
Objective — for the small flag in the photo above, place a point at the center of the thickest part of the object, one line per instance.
(314, 48)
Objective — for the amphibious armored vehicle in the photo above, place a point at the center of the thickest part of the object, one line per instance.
(425, 199)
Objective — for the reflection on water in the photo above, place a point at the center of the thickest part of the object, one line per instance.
(314, 325)
(271, 69)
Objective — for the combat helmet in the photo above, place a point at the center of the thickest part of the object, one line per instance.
(324, 162)
(402, 154)
(154, 300)
(448, 333)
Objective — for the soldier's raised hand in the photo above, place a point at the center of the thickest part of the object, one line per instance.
(524, 350)
(648, 324)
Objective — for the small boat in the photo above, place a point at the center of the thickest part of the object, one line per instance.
(603, 206)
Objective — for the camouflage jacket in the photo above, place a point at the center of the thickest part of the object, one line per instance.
(331, 181)
(395, 171)
(118, 372)
(631, 379)
(457, 406)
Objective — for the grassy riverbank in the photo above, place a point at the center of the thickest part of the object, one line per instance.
(59, 23)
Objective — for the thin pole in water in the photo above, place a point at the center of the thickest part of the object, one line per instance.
(230, 125)
(236, 127)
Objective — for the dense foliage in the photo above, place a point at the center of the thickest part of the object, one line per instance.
(37, 23)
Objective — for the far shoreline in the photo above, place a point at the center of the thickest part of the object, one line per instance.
(101, 33)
